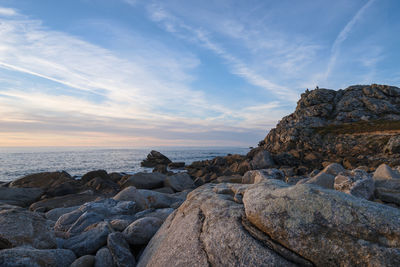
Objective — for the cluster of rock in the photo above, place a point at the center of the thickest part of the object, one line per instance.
(335, 217)
(316, 192)
(51, 219)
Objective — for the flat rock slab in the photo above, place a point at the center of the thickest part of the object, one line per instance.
(21, 227)
(31, 257)
(327, 227)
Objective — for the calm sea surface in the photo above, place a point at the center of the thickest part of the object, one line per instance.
(17, 162)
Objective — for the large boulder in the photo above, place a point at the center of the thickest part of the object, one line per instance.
(141, 231)
(326, 227)
(89, 241)
(384, 172)
(207, 230)
(143, 180)
(84, 261)
(388, 191)
(22, 197)
(147, 199)
(155, 158)
(26, 256)
(179, 182)
(104, 258)
(334, 169)
(21, 227)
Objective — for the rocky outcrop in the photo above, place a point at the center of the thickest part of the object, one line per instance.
(356, 126)
(155, 158)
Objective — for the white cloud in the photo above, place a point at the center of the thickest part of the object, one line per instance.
(8, 11)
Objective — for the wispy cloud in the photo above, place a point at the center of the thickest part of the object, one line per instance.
(343, 35)
(199, 36)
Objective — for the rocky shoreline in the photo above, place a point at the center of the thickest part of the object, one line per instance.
(309, 195)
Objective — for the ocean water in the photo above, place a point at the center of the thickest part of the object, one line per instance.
(17, 162)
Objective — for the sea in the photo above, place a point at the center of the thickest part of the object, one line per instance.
(17, 162)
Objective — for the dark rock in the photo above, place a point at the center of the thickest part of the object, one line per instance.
(142, 230)
(179, 182)
(65, 201)
(161, 169)
(93, 174)
(24, 228)
(143, 180)
(22, 197)
(26, 256)
(119, 249)
(155, 158)
(104, 258)
(176, 165)
(84, 261)
(89, 241)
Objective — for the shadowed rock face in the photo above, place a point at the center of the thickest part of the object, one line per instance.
(352, 126)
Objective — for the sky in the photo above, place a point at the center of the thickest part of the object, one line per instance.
(135, 73)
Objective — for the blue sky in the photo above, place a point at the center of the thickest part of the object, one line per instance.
(190, 73)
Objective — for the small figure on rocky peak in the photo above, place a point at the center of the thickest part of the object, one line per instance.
(317, 87)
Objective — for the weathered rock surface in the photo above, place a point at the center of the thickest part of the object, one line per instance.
(25, 256)
(147, 199)
(155, 158)
(89, 241)
(22, 197)
(384, 172)
(179, 182)
(21, 227)
(142, 230)
(326, 227)
(322, 179)
(257, 176)
(76, 221)
(207, 230)
(120, 252)
(357, 183)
